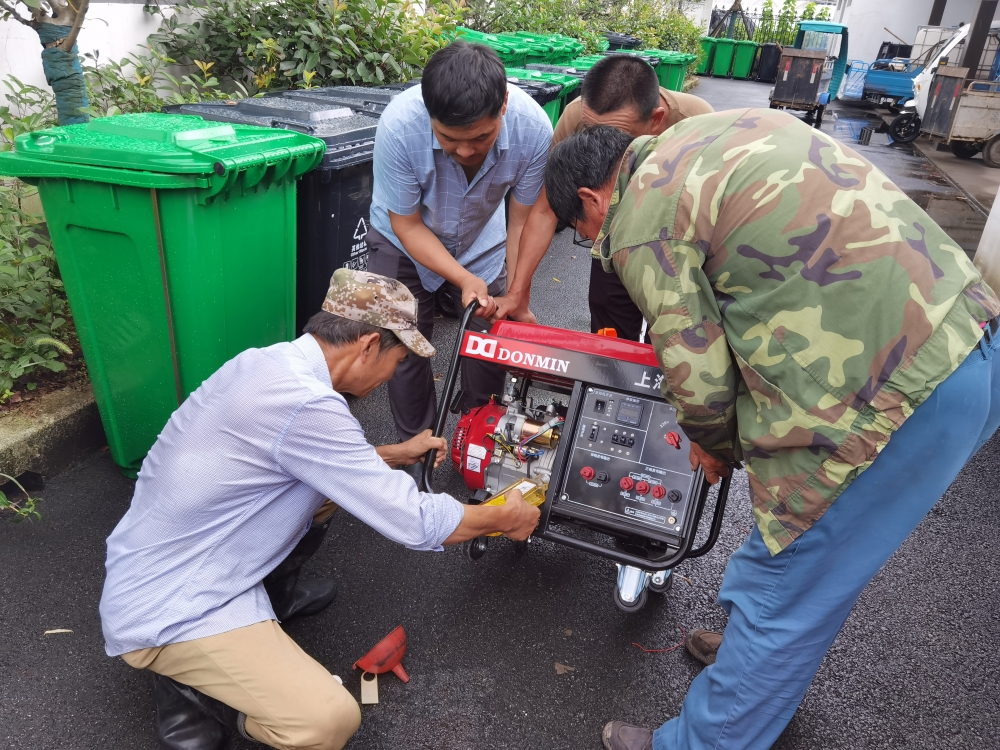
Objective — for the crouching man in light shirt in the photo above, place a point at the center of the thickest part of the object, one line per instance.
(232, 500)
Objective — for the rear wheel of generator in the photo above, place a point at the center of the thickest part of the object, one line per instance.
(520, 548)
(661, 588)
(630, 607)
(905, 128)
(991, 152)
(474, 548)
(964, 149)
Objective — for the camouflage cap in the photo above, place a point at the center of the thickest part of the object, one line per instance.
(377, 301)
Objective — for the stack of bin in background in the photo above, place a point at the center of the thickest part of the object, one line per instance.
(707, 53)
(335, 198)
(743, 58)
(568, 84)
(545, 48)
(175, 239)
(722, 57)
(621, 41)
(510, 50)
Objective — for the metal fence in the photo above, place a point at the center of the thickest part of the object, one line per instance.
(759, 27)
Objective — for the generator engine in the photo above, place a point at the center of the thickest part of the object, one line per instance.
(496, 444)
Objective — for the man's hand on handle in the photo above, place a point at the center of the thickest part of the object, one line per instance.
(413, 450)
(714, 468)
(523, 517)
(512, 307)
(474, 288)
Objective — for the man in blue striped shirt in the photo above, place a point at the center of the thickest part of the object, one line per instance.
(446, 155)
(237, 493)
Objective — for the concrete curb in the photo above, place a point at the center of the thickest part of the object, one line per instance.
(57, 430)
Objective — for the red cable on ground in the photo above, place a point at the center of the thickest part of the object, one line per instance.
(664, 650)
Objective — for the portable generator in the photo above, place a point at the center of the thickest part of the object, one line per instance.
(597, 433)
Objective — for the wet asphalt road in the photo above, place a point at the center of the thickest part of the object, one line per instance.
(916, 665)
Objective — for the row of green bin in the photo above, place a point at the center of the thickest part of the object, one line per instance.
(568, 85)
(724, 58)
(522, 48)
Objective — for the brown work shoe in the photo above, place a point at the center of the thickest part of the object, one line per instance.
(703, 645)
(618, 735)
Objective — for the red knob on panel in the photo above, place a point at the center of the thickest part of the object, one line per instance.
(626, 483)
(673, 439)
(587, 473)
(659, 492)
(642, 488)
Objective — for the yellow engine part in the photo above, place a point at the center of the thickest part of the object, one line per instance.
(532, 490)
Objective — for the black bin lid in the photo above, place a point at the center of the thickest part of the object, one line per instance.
(368, 99)
(542, 92)
(349, 136)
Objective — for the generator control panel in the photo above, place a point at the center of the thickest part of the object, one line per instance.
(628, 466)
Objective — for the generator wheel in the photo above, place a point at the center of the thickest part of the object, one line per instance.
(520, 548)
(905, 128)
(991, 152)
(667, 585)
(475, 548)
(964, 149)
(630, 607)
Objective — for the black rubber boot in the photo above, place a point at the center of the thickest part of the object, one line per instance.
(187, 719)
(292, 597)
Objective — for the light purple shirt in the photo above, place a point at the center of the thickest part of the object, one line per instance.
(230, 487)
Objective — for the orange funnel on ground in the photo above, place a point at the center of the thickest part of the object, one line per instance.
(386, 656)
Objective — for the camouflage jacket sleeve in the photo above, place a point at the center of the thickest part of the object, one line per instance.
(666, 281)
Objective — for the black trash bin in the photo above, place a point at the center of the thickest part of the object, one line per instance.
(621, 41)
(371, 100)
(334, 199)
(767, 63)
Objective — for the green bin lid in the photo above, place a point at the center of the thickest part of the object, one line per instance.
(142, 149)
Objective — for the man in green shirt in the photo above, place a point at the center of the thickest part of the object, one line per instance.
(813, 321)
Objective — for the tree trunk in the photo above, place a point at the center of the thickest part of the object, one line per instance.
(60, 59)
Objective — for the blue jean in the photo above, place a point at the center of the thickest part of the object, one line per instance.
(785, 611)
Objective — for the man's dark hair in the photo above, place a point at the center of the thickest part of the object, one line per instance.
(620, 82)
(338, 331)
(463, 83)
(588, 159)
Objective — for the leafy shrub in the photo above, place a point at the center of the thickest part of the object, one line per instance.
(32, 303)
(143, 83)
(265, 45)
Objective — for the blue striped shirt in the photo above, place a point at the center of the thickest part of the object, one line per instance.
(230, 487)
(412, 173)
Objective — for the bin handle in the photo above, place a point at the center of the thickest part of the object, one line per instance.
(300, 127)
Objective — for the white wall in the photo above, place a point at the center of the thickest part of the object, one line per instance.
(112, 28)
(867, 20)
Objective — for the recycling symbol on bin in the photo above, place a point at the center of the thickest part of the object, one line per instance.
(362, 229)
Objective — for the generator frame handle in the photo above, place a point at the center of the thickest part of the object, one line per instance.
(426, 476)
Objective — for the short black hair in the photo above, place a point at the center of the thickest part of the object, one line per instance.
(587, 159)
(338, 331)
(463, 83)
(621, 81)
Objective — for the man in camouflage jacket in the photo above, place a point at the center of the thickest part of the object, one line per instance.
(802, 309)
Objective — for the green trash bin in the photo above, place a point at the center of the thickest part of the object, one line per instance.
(175, 239)
(707, 47)
(743, 57)
(722, 61)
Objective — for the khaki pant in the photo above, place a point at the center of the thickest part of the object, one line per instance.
(289, 699)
